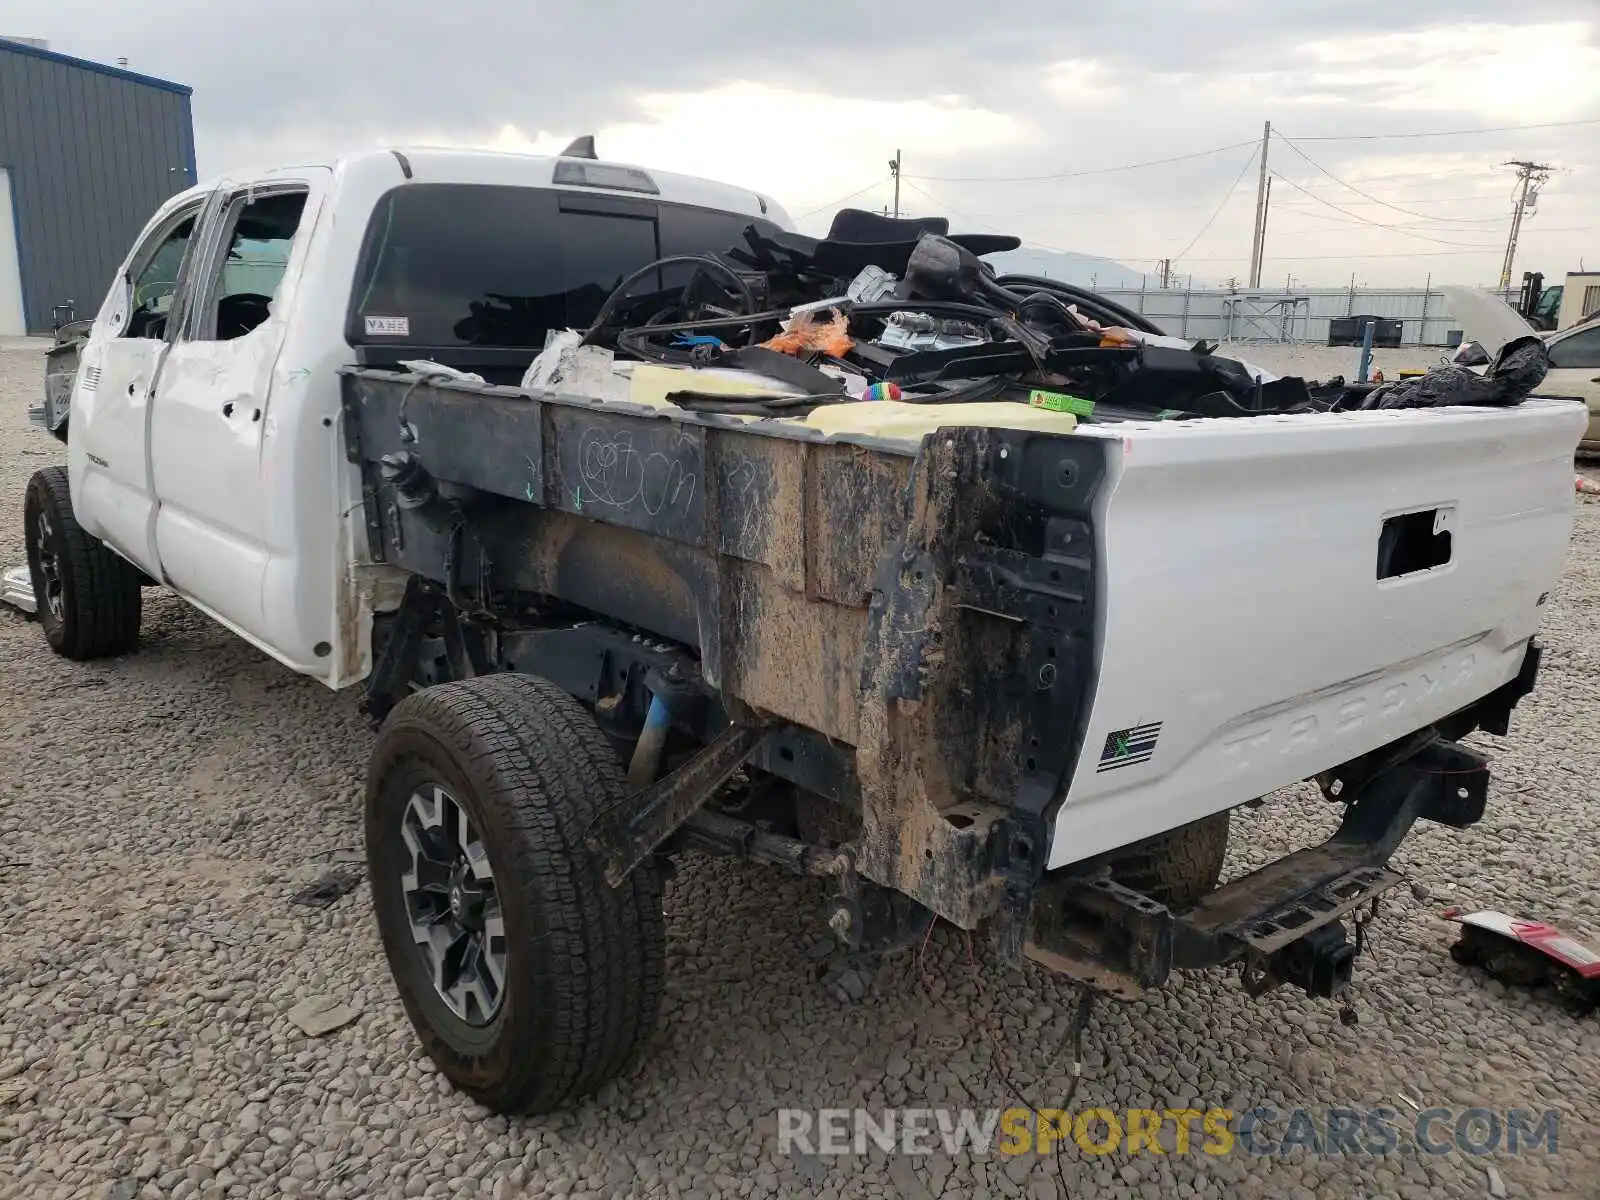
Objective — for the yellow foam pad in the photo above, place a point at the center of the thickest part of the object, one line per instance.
(897, 419)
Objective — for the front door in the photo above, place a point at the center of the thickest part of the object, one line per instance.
(208, 418)
(109, 466)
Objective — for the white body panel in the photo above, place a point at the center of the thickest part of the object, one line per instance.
(257, 522)
(106, 459)
(1242, 609)
(211, 445)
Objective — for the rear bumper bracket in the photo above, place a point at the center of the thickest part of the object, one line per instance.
(1282, 913)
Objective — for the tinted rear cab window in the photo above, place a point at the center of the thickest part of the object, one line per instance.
(473, 268)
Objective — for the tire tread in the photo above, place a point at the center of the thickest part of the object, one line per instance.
(549, 770)
(101, 589)
(1178, 867)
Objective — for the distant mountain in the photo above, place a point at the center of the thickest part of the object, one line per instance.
(1083, 270)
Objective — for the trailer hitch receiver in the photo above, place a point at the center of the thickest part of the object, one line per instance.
(1323, 962)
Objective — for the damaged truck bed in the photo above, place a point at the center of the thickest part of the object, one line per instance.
(1002, 652)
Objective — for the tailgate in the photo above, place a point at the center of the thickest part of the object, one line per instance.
(1248, 640)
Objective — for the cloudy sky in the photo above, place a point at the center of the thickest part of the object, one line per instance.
(1015, 122)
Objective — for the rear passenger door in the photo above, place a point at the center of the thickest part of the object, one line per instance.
(207, 423)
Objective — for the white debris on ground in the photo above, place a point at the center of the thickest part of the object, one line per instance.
(156, 814)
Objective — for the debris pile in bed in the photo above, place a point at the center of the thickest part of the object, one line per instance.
(902, 310)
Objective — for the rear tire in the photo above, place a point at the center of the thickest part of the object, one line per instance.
(87, 596)
(1179, 867)
(580, 963)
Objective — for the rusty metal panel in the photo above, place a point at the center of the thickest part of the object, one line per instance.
(942, 705)
(761, 502)
(639, 580)
(784, 654)
(494, 439)
(854, 508)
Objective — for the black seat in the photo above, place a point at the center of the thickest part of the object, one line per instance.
(869, 228)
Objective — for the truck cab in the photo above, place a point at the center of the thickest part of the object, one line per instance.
(205, 404)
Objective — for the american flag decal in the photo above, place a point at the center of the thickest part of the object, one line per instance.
(1126, 747)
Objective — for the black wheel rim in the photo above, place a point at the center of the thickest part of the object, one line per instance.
(48, 585)
(453, 905)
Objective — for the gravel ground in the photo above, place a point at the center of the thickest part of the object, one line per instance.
(157, 812)
(1324, 362)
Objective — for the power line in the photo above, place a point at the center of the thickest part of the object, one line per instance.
(1340, 221)
(1380, 137)
(945, 209)
(1307, 210)
(942, 207)
(1221, 204)
(1352, 187)
(1441, 200)
(1368, 221)
(1137, 166)
(1239, 258)
(1446, 175)
(1111, 208)
(842, 199)
(1389, 254)
(1158, 162)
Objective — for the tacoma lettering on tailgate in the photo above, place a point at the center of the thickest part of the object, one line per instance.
(1342, 713)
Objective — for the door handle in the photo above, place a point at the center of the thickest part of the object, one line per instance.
(227, 409)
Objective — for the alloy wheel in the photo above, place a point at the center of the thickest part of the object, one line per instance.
(44, 544)
(453, 905)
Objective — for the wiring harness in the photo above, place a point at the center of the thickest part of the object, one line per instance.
(885, 308)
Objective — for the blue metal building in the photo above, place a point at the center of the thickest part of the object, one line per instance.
(87, 153)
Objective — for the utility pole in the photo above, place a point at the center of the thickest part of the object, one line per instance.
(1531, 176)
(1164, 272)
(1259, 237)
(894, 169)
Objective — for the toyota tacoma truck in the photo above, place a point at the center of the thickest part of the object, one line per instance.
(650, 526)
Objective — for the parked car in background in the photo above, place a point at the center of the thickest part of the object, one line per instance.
(1574, 351)
(1575, 371)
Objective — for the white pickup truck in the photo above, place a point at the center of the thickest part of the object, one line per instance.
(1005, 664)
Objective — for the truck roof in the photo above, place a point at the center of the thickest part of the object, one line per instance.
(433, 164)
